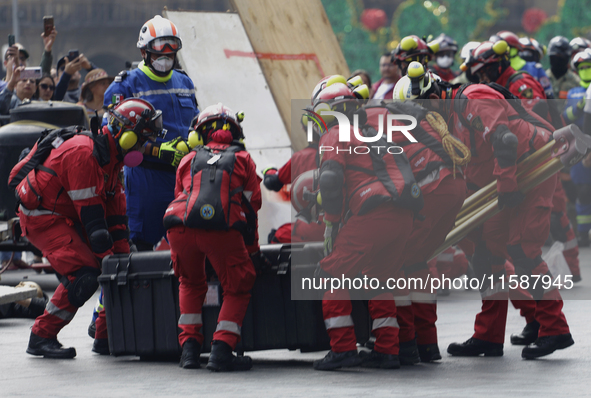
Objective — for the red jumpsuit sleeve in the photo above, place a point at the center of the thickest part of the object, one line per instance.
(284, 173)
(492, 113)
(184, 169)
(84, 182)
(252, 192)
(117, 219)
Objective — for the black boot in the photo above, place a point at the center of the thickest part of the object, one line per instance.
(547, 345)
(336, 360)
(376, 359)
(408, 353)
(49, 348)
(474, 347)
(190, 355)
(221, 358)
(429, 352)
(92, 328)
(528, 335)
(101, 346)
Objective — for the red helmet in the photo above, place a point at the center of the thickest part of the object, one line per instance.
(510, 37)
(135, 119)
(304, 196)
(219, 117)
(333, 92)
(486, 53)
(412, 48)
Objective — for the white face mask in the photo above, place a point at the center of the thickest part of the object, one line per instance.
(445, 61)
(163, 64)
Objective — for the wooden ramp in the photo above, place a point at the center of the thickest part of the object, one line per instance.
(258, 61)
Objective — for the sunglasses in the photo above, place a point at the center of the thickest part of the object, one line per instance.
(47, 87)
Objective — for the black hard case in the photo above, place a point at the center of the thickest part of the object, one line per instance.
(141, 303)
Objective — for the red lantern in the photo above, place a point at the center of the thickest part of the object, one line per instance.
(373, 19)
(532, 19)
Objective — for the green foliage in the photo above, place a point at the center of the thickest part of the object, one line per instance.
(358, 49)
(416, 20)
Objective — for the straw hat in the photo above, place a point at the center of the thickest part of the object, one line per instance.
(92, 77)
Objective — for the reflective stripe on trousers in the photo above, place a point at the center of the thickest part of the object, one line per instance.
(421, 297)
(384, 323)
(338, 322)
(229, 326)
(61, 314)
(402, 301)
(190, 319)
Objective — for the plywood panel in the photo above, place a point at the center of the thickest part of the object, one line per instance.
(297, 28)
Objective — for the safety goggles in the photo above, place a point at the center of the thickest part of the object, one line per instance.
(149, 125)
(46, 87)
(165, 45)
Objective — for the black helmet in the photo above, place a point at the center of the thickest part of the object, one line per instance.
(446, 43)
(559, 46)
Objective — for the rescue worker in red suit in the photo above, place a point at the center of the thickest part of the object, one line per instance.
(81, 217)
(274, 180)
(491, 67)
(380, 196)
(498, 136)
(444, 193)
(194, 233)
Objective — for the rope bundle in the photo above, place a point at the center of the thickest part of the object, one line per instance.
(457, 151)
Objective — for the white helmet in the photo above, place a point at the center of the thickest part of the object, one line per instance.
(467, 49)
(416, 83)
(159, 35)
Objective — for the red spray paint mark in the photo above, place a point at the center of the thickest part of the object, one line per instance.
(281, 57)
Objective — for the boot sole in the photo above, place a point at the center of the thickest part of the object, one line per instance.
(226, 368)
(562, 346)
(523, 341)
(347, 363)
(68, 355)
(493, 353)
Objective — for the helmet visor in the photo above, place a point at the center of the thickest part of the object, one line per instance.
(165, 45)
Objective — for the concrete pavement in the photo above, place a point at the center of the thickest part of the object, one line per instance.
(289, 373)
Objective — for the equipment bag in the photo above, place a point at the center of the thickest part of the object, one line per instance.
(210, 198)
(50, 139)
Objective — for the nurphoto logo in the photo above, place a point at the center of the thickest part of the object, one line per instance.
(345, 132)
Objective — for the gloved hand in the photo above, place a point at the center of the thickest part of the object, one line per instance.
(330, 235)
(510, 199)
(271, 179)
(173, 151)
(261, 263)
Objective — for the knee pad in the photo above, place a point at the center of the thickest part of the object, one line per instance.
(83, 286)
(584, 194)
(556, 229)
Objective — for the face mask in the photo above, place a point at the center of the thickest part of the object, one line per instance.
(163, 64)
(133, 159)
(445, 61)
(558, 65)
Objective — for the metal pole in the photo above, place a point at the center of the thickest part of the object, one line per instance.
(15, 30)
